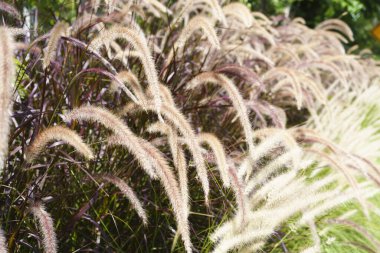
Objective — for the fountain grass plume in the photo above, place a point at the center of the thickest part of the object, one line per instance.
(58, 133)
(3, 242)
(170, 184)
(235, 97)
(116, 124)
(59, 30)
(131, 80)
(178, 120)
(7, 76)
(128, 193)
(178, 154)
(198, 22)
(46, 226)
(220, 155)
(139, 42)
(240, 12)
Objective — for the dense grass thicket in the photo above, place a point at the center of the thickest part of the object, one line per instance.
(187, 126)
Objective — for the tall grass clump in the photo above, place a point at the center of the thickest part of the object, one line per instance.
(192, 126)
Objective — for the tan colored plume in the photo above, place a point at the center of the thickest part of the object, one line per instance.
(7, 75)
(139, 42)
(159, 6)
(166, 94)
(240, 12)
(3, 242)
(46, 226)
(114, 123)
(337, 25)
(235, 97)
(56, 133)
(177, 119)
(196, 23)
(56, 33)
(179, 158)
(131, 80)
(128, 193)
(220, 155)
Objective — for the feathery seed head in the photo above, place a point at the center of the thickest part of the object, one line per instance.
(235, 96)
(129, 193)
(46, 226)
(3, 242)
(178, 120)
(59, 30)
(7, 75)
(217, 147)
(58, 133)
(138, 41)
(123, 134)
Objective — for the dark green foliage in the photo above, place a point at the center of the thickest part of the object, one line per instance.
(361, 15)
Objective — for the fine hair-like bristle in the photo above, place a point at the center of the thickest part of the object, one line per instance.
(240, 12)
(198, 22)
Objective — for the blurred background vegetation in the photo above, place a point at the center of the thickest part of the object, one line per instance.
(361, 15)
